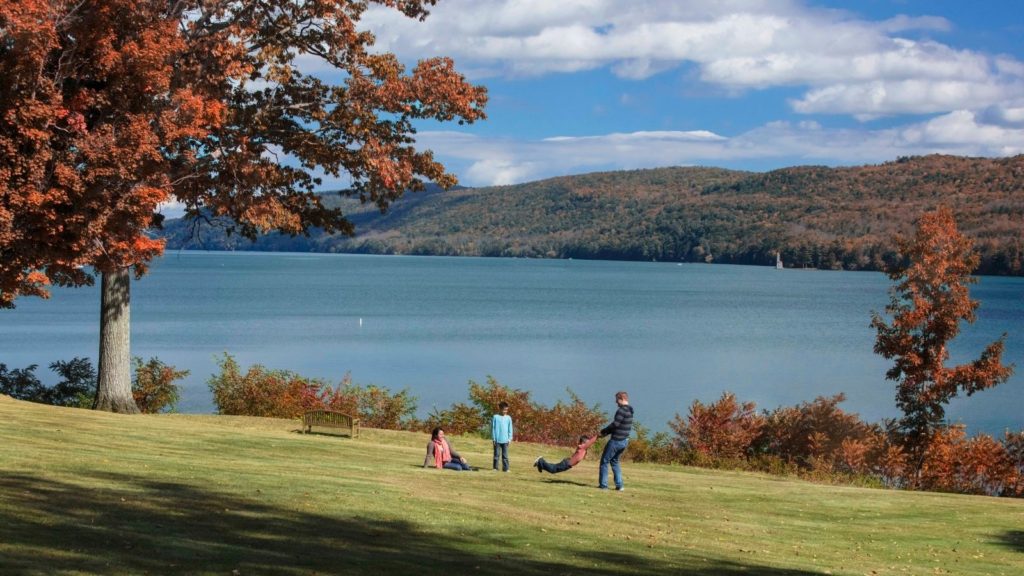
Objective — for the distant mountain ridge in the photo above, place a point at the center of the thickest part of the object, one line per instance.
(817, 217)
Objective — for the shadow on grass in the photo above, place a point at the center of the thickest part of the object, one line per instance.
(571, 482)
(146, 526)
(1013, 539)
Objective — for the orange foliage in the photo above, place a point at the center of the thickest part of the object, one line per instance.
(929, 301)
(724, 429)
(561, 424)
(110, 107)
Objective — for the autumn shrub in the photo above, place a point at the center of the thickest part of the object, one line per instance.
(817, 435)
(659, 447)
(285, 394)
(1014, 444)
(561, 424)
(376, 407)
(460, 418)
(725, 429)
(153, 385)
(976, 465)
(263, 392)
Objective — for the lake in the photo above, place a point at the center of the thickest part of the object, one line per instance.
(667, 333)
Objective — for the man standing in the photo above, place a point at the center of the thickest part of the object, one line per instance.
(619, 429)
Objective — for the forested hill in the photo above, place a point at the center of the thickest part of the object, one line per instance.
(816, 216)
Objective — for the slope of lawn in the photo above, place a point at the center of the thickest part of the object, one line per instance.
(93, 493)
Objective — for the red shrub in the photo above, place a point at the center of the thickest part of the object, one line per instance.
(284, 394)
(153, 386)
(724, 429)
(561, 424)
(1013, 443)
(460, 419)
(812, 434)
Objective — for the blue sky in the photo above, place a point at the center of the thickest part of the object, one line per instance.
(584, 85)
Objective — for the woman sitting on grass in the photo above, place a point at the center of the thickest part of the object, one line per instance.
(441, 455)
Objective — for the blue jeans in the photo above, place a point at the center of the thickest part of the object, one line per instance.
(501, 450)
(553, 468)
(456, 465)
(612, 450)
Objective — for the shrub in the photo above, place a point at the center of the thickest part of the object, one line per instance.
(724, 429)
(812, 435)
(656, 448)
(77, 387)
(1013, 442)
(262, 392)
(153, 386)
(954, 463)
(459, 419)
(20, 383)
(562, 424)
(376, 407)
(284, 394)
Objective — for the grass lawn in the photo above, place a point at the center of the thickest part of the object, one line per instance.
(93, 493)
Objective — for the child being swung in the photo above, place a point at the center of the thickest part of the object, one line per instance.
(585, 442)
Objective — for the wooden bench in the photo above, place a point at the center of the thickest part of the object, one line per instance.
(330, 419)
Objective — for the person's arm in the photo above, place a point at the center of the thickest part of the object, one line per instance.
(510, 429)
(455, 455)
(586, 445)
(430, 455)
(494, 428)
(616, 422)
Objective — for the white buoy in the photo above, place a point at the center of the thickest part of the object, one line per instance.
(360, 322)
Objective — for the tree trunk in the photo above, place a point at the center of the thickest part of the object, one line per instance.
(114, 391)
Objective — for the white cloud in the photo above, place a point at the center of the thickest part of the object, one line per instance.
(906, 96)
(848, 65)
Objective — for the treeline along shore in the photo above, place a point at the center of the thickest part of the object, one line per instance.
(813, 216)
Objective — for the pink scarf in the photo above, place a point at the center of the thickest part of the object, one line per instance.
(441, 453)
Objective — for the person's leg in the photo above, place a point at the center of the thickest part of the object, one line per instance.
(620, 447)
(453, 465)
(602, 471)
(504, 457)
(497, 450)
(543, 464)
(560, 467)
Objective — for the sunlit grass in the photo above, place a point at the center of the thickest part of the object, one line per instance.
(90, 493)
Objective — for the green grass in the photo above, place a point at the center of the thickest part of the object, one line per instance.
(92, 493)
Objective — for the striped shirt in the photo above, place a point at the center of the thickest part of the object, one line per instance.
(622, 423)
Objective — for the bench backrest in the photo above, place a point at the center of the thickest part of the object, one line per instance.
(326, 418)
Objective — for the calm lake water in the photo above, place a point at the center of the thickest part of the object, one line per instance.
(667, 333)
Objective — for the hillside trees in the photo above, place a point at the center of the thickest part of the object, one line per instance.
(928, 302)
(110, 107)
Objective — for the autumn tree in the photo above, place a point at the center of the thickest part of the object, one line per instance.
(928, 301)
(110, 107)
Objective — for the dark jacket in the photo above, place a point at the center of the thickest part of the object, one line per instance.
(622, 424)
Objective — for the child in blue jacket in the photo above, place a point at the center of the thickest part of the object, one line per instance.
(501, 435)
